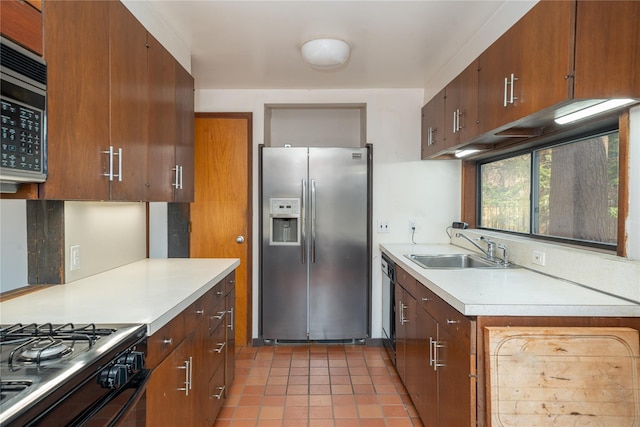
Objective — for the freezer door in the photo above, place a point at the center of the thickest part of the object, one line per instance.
(284, 274)
(338, 279)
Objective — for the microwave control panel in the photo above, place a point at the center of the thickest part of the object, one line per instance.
(22, 137)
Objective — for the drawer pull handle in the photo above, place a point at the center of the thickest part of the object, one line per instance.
(218, 292)
(219, 395)
(452, 322)
(167, 341)
(426, 299)
(199, 312)
(220, 347)
(220, 315)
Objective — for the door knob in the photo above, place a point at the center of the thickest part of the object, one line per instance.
(240, 239)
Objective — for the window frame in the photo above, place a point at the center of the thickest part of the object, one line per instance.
(621, 126)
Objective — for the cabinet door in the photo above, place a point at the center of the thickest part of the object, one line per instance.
(461, 108)
(526, 69)
(433, 132)
(456, 382)
(426, 401)
(128, 101)
(22, 23)
(167, 399)
(412, 348)
(162, 121)
(607, 46)
(77, 54)
(184, 133)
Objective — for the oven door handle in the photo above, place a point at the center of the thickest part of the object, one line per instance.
(139, 383)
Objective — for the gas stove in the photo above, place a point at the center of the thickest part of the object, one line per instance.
(67, 374)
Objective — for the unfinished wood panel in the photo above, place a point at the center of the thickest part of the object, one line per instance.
(623, 182)
(45, 242)
(542, 376)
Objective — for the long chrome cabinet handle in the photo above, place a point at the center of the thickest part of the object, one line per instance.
(504, 103)
(176, 181)
(187, 376)
(513, 79)
(313, 220)
(230, 325)
(119, 175)
(303, 225)
(110, 153)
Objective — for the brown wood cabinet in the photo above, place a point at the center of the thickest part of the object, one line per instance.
(525, 70)
(116, 105)
(191, 358)
(461, 108)
(22, 23)
(184, 136)
(433, 124)
(435, 355)
(607, 51)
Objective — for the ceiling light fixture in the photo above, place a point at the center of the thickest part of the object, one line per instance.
(593, 110)
(325, 53)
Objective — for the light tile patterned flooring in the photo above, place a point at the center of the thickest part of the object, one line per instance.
(316, 385)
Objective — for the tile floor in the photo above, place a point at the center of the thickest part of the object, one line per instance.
(316, 386)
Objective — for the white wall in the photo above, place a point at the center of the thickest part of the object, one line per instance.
(13, 244)
(403, 186)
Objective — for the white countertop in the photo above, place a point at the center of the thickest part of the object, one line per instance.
(151, 292)
(507, 292)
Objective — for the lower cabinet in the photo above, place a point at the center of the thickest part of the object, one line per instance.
(435, 356)
(192, 362)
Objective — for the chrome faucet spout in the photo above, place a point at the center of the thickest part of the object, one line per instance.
(490, 245)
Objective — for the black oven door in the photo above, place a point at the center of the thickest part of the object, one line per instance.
(124, 407)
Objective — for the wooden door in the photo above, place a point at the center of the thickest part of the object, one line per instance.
(77, 54)
(401, 333)
(456, 382)
(221, 211)
(427, 385)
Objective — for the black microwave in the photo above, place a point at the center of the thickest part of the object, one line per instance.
(23, 84)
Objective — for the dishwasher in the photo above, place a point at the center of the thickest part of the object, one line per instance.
(388, 306)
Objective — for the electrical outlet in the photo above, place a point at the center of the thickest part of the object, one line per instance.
(538, 258)
(383, 226)
(413, 225)
(74, 257)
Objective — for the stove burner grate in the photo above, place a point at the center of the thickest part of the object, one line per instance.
(37, 343)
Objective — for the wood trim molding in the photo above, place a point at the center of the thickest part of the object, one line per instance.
(623, 182)
(468, 205)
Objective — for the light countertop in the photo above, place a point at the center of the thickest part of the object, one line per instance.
(507, 292)
(150, 291)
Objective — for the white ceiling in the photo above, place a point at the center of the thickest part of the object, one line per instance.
(394, 44)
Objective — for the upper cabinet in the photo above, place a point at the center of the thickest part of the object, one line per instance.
(112, 106)
(526, 70)
(22, 23)
(433, 142)
(183, 172)
(560, 57)
(607, 53)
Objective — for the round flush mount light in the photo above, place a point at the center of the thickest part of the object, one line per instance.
(325, 53)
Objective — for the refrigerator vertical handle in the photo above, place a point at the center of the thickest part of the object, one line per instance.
(313, 220)
(303, 225)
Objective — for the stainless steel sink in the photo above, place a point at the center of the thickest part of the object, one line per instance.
(455, 261)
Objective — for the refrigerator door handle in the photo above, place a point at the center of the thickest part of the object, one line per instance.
(313, 221)
(303, 226)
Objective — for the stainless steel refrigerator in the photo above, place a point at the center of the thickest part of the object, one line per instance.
(314, 259)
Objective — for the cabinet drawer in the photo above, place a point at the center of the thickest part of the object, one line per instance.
(162, 343)
(198, 311)
(216, 346)
(217, 316)
(229, 282)
(455, 324)
(218, 292)
(405, 280)
(215, 395)
(427, 299)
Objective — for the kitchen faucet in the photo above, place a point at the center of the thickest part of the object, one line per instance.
(491, 247)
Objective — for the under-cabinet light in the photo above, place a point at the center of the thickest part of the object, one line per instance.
(593, 110)
(465, 153)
